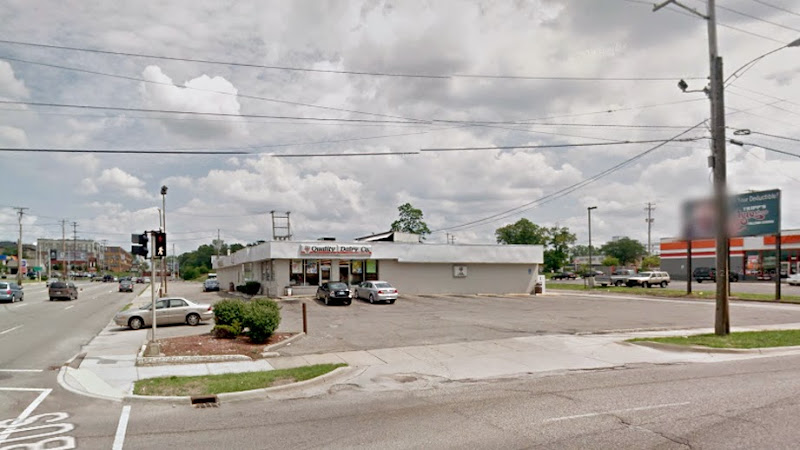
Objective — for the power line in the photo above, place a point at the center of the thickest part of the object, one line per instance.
(725, 8)
(779, 8)
(771, 149)
(121, 151)
(592, 144)
(565, 191)
(343, 72)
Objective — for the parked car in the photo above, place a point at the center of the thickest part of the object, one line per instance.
(376, 291)
(172, 310)
(617, 278)
(63, 289)
(210, 285)
(564, 276)
(592, 273)
(334, 292)
(126, 286)
(146, 279)
(701, 274)
(139, 280)
(794, 280)
(108, 278)
(11, 292)
(649, 279)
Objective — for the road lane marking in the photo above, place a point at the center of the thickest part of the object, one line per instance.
(11, 329)
(122, 426)
(43, 393)
(68, 307)
(641, 408)
(21, 305)
(21, 370)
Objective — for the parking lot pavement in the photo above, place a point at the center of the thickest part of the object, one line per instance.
(424, 320)
(749, 287)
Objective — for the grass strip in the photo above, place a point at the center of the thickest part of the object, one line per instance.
(673, 293)
(743, 339)
(229, 382)
(127, 307)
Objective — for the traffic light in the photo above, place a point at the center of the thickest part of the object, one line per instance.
(139, 246)
(161, 244)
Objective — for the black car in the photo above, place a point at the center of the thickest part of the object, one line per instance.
(126, 286)
(334, 291)
(701, 274)
(565, 276)
(210, 285)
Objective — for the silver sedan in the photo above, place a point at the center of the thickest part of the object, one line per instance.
(168, 311)
(376, 291)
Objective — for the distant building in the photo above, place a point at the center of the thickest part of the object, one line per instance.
(81, 254)
(117, 259)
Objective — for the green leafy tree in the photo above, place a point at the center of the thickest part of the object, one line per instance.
(559, 240)
(236, 247)
(556, 240)
(523, 232)
(611, 261)
(581, 250)
(651, 262)
(410, 221)
(626, 250)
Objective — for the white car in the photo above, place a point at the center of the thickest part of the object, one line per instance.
(794, 280)
(648, 279)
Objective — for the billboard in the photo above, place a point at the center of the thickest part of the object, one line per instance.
(750, 214)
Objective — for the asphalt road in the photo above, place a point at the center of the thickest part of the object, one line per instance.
(746, 404)
(37, 336)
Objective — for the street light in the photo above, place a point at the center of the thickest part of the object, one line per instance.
(749, 65)
(589, 211)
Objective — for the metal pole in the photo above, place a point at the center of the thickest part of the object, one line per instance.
(164, 259)
(20, 213)
(305, 320)
(778, 267)
(689, 266)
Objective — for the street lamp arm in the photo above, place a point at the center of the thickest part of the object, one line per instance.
(745, 67)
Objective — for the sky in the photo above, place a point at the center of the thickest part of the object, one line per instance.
(280, 90)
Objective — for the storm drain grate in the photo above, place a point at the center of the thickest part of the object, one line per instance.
(205, 401)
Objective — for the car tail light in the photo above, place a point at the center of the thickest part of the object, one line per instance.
(8, 291)
(210, 308)
(381, 292)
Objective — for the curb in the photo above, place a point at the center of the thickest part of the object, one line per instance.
(700, 349)
(61, 378)
(263, 393)
(172, 360)
(277, 345)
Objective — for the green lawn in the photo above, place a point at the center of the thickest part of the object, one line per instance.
(229, 382)
(745, 339)
(681, 293)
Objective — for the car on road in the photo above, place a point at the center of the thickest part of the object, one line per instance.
(794, 280)
(376, 291)
(649, 279)
(211, 285)
(126, 286)
(63, 289)
(564, 276)
(108, 278)
(11, 292)
(334, 292)
(172, 310)
(146, 279)
(51, 281)
(701, 274)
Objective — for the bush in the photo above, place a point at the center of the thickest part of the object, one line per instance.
(227, 331)
(262, 317)
(229, 312)
(44, 278)
(249, 288)
(190, 273)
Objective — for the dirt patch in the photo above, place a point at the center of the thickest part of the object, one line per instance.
(206, 344)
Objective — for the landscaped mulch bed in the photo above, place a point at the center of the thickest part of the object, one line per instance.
(206, 344)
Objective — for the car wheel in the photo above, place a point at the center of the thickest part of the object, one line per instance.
(51, 299)
(618, 284)
(646, 285)
(193, 319)
(326, 301)
(135, 323)
(371, 298)
(346, 302)
(663, 284)
(391, 302)
(699, 281)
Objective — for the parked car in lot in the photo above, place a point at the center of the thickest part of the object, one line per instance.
(564, 276)
(334, 292)
(617, 278)
(211, 285)
(172, 310)
(11, 292)
(591, 273)
(649, 279)
(376, 291)
(701, 274)
(63, 289)
(794, 280)
(126, 286)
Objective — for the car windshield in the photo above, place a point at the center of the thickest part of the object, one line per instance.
(3, 285)
(383, 285)
(335, 286)
(58, 284)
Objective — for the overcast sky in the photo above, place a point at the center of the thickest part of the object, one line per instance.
(268, 112)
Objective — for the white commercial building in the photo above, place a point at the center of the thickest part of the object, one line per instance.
(412, 267)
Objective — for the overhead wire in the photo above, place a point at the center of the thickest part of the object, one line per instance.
(779, 8)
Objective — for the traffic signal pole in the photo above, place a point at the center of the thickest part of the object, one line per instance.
(153, 347)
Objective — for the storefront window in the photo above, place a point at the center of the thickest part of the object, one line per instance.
(312, 272)
(296, 273)
(371, 270)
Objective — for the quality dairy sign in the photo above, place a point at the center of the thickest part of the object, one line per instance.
(336, 250)
(750, 214)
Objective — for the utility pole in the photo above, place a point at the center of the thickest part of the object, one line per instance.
(716, 93)
(20, 213)
(75, 238)
(64, 248)
(650, 208)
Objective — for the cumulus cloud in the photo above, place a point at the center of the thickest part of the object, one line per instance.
(117, 181)
(10, 85)
(13, 136)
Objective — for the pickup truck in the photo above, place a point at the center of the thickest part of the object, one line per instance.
(617, 278)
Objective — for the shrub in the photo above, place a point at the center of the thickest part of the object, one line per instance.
(262, 317)
(227, 331)
(44, 278)
(229, 312)
(190, 274)
(249, 288)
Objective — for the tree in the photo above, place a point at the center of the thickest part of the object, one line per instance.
(651, 262)
(611, 261)
(626, 250)
(410, 221)
(581, 250)
(556, 240)
(523, 232)
(236, 247)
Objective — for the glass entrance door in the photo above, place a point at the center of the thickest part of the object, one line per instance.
(344, 272)
(325, 271)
